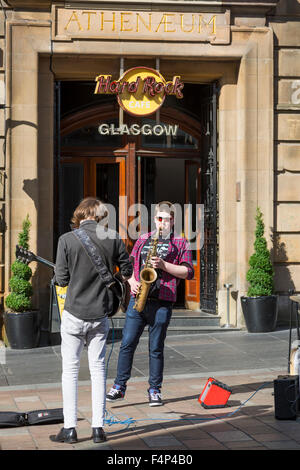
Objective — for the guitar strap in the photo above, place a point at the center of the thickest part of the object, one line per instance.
(95, 257)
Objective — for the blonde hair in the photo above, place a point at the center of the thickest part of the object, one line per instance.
(89, 207)
(165, 206)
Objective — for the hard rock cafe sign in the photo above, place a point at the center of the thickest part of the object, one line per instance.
(141, 90)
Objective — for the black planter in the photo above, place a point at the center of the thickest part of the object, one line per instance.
(22, 329)
(260, 313)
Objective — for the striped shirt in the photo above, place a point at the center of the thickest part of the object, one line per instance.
(179, 252)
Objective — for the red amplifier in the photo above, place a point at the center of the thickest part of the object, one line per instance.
(215, 394)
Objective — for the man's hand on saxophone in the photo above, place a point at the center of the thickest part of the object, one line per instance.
(157, 263)
(180, 271)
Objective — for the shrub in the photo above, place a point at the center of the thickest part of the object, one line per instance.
(260, 274)
(17, 302)
(21, 289)
(21, 270)
(20, 286)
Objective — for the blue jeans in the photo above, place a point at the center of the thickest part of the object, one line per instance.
(157, 315)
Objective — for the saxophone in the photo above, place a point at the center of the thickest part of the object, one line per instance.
(148, 276)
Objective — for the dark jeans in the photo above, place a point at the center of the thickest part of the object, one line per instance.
(157, 315)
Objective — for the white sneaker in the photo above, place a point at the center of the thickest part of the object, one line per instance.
(115, 394)
(154, 397)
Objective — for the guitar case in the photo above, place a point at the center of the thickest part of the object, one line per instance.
(11, 419)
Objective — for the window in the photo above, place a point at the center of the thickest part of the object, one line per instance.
(89, 136)
(181, 140)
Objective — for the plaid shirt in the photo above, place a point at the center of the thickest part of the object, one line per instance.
(178, 253)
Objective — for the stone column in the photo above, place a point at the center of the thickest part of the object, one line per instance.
(29, 163)
(245, 161)
(254, 149)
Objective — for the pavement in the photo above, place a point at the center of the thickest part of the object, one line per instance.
(246, 362)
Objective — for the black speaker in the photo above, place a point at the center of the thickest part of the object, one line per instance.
(286, 396)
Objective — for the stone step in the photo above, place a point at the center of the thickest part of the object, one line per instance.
(183, 322)
(176, 330)
(181, 318)
(187, 330)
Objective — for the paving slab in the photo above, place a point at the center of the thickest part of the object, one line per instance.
(245, 362)
(180, 424)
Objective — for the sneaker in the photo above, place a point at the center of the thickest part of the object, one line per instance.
(115, 393)
(154, 397)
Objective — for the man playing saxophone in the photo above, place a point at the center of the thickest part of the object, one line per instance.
(171, 260)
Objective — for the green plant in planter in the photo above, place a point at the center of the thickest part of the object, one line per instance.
(260, 274)
(19, 299)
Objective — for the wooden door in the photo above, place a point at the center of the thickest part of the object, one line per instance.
(192, 232)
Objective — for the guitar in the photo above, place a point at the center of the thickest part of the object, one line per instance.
(26, 257)
(119, 289)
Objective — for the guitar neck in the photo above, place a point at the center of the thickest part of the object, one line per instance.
(45, 261)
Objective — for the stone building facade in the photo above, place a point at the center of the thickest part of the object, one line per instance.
(250, 49)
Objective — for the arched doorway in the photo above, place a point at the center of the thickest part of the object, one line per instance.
(130, 169)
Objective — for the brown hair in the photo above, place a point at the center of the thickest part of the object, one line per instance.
(89, 207)
(165, 206)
